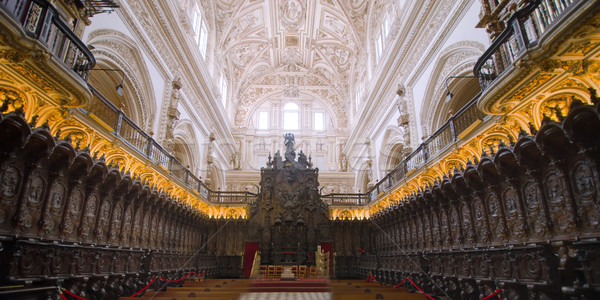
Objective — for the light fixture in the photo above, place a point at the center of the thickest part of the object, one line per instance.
(450, 95)
(119, 87)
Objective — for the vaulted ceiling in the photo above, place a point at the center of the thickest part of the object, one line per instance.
(291, 49)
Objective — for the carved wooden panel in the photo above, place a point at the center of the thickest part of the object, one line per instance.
(11, 177)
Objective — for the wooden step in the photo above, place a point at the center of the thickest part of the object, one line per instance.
(229, 289)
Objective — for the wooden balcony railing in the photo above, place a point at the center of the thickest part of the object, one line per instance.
(522, 32)
(41, 21)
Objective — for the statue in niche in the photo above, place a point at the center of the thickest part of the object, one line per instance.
(235, 161)
(343, 162)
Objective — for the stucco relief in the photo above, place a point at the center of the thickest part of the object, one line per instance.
(293, 14)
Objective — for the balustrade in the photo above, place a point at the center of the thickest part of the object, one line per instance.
(345, 199)
(114, 120)
(522, 32)
(43, 22)
(468, 116)
(231, 197)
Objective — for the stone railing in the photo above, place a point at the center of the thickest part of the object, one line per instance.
(42, 21)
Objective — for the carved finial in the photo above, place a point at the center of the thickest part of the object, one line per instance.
(532, 129)
(593, 96)
(20, 112)
(68, 138)
(33, 121)
(575, 102)
(558, 113)
(4, 106)
(501, 144)
(523, 132)
(511, 140)
(546, 119)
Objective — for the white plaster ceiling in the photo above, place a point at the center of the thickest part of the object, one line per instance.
(291, 48)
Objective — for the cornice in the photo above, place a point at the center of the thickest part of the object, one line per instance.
(173, 59)
(399, 48)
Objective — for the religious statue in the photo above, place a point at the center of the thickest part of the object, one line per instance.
(289, 141)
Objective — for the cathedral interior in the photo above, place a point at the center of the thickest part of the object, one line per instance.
(451, 143)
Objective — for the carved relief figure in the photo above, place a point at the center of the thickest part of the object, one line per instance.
(445, 230)
(427, 231)
(467, 226)
(53, 211)
(495, 217)
(72, 212)
(116, 223)
(31, 204)
(10, 181)
(535, 213)
(146, 224)
(435, 231)
(583, 179)
(480, 221)
(89, 216)
(511, 212)
(103, 219)
(9, 185)
(455, 225)
(560, 208)
(127, 224)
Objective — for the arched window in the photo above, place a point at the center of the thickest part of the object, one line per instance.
(291, 116)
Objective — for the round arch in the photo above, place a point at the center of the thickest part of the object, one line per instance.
(115, 50)
(456, 60)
